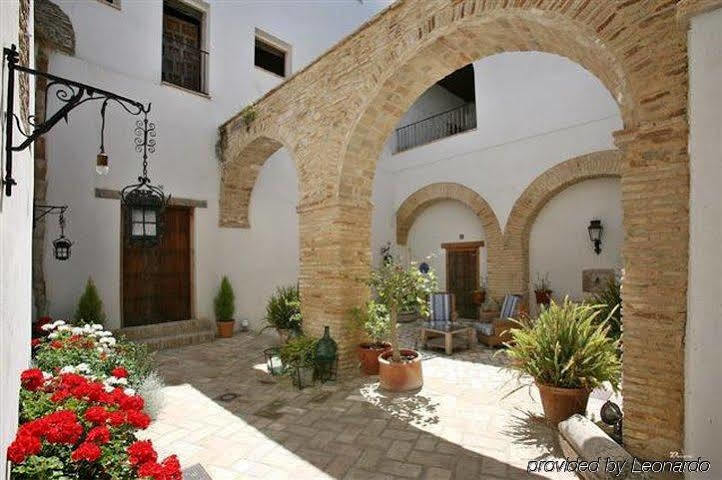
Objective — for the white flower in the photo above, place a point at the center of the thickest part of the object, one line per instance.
(82, 367)
(58, 323)
(100, 349)
(53, 335)
(64, 328)
(108, 388)
(116, 381)
(105, 333)
(129, 391)
(77, 330)
(67, 369)
(47, 376)
(47, 327)
(97, 326)
(109, 341)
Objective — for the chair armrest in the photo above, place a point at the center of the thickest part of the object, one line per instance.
(503, 325)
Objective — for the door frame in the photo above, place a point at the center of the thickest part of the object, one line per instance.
(191, 254)
(462, 247)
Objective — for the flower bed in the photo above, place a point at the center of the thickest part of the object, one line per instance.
(79, 410)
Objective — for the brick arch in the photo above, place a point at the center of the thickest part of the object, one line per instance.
(602, 164)
(429, 195)
(238, 177)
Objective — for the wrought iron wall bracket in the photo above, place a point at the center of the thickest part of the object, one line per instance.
(41, 211)
(70, 93)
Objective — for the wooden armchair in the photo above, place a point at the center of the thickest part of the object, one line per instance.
(496, 331)
(442, 307)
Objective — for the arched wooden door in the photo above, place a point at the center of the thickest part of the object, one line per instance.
(462, 275)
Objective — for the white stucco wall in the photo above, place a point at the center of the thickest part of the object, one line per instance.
(16, 214)
(559, 242)
(703, 384)
(120, 50)
(444, 222)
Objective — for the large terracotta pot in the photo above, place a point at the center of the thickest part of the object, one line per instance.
(225, 329)
(400, 377)
(368, 355)
(543, 297)
(561, 403)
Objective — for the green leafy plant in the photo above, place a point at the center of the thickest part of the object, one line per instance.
(373, 320)
(566, 347)
(223, 303)
(90, 306)
(299, 351)
(248, 114)
(610, 299)
(283, 310)
(398, 287)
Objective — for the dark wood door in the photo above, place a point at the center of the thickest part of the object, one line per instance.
(462, 276)
(157, 280)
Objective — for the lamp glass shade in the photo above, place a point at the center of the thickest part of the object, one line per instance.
(101, 164)
(595, 230)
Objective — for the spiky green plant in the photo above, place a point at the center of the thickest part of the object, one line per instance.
(610, 299)
(90, 306)
(223, 304)
(566, 347)
(373, 320)
(283, 310)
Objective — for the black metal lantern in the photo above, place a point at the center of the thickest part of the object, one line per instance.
(61, 245)
(612, 415)
(595, 230)
(326, 357)
(144, 203)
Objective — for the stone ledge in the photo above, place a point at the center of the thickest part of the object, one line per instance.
(581, 438)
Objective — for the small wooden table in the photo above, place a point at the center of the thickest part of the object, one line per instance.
(447, 331)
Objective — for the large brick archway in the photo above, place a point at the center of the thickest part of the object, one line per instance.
(607, 163)
(338, 112)
(429, 195)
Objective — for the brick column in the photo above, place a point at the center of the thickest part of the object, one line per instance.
(655, 201)
(335, 256)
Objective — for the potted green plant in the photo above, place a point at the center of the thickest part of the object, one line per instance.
(568, 353)
(479, 296)
(298, 357)
(373, 320)
(90, 306)
(400, 368)
(224, 308)
(610, 299)
(283, 312)
(542, 290)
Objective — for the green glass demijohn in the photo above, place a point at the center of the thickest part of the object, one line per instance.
(326, 355)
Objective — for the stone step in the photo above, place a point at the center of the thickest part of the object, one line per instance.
(178, 340)
(166, 329)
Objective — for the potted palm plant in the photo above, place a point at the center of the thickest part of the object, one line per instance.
(568, 353)
(298, 357)
(373, 320)
(542, 290)
(400, 368)
(224, 308)
(283, 312)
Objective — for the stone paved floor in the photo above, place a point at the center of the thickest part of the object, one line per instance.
(460, 425)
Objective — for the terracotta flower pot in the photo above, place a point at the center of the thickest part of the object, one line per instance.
(403, 376)
(225, 329)
(478, 297)
(543, 297)
(368, 355)
(561, 403)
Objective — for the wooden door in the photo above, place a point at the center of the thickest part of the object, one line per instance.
(157, 280)
(462, 275)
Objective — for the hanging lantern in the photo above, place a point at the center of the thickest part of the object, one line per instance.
(144, 203)
(326, 357)
(61, 245)
(595, 230)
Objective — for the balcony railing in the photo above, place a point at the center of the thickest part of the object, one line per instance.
(184, 65)
(441, 125)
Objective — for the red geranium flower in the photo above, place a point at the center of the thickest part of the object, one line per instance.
(23, 447)
(34, 342)
(116, 419)
(56, 344)
(86, 451)
(96, 415)
(172, 469)
(62, 427)
(32, 379)
(60, 395)
(98, 435)
(119, 372)
(138, 419)
(152, 470)
(142, 452)
(134, 402)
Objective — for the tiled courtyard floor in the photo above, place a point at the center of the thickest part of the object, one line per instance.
(460, 425)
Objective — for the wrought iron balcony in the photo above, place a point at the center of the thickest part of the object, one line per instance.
(441, 125)
(184, 65)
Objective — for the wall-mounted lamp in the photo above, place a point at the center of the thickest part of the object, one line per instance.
(62, 244)
(595, 230)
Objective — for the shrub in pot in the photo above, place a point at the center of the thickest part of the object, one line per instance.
(224, 308)
(568, 353)
(542, 290)
(298, 357)
(373, 320)
(394, 284)
(283, 312)
(610, 301)
(90, 306)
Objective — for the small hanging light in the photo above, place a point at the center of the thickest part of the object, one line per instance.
(61, 245)
(101, 161)
(144, 202)
(595, 230)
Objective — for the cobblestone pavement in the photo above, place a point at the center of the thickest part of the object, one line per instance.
(460, 425)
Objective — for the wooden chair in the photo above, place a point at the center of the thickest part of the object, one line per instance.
(442, 307)
(496, 332)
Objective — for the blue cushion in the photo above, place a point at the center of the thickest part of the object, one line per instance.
(508, 308)
(486, 329)
(440, 307)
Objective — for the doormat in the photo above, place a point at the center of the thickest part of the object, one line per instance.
(196, 472)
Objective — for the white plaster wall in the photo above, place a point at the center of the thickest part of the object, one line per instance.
(15, 254)
(559, 243)
(444, 222)
(703, 386)
(120, 50)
